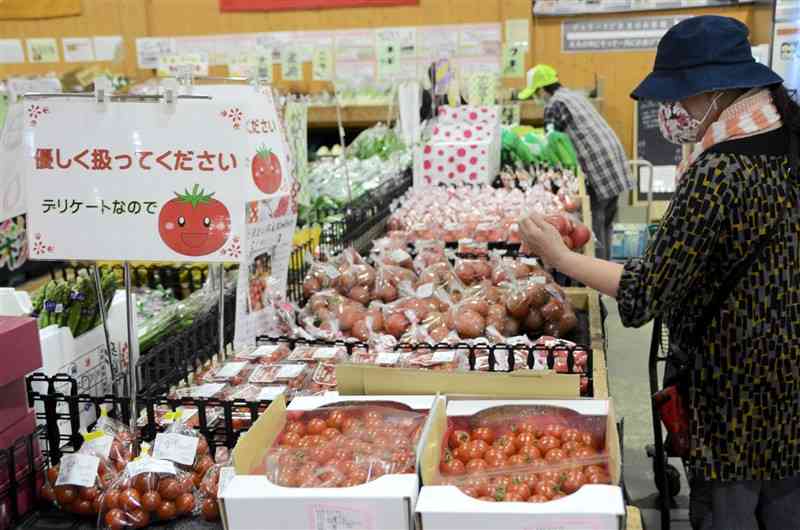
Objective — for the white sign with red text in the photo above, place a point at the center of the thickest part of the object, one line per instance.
(147, 181)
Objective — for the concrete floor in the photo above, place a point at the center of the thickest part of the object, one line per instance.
(628, 351)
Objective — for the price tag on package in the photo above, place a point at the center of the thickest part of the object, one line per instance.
(387, 358)
(265, 351)
(230, 370)
(78, 470)
(150, 465)
(446, 356)
(178, 448)
(425, 290)
(270, 393)
(325, 353)
(207, 390)
(99, 442)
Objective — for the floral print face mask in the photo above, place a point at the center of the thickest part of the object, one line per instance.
(678, 126)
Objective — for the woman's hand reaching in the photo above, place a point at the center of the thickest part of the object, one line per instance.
(543, 240)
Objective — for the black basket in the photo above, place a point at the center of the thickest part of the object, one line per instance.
(62, 402)
(168, 362)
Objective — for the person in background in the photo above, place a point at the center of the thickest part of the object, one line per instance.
(600, 153)
(430, 100)
(723, 271)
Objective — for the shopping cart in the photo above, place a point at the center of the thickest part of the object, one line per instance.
(667, 476)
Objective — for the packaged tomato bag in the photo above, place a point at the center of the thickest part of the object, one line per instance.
(343, 446)
(148, 491)
(524, 453)
(76, 484)
(185, 447)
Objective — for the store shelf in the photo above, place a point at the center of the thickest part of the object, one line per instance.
(353, 116)
(324, 117)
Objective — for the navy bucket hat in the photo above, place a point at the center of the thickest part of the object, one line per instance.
(704, 54)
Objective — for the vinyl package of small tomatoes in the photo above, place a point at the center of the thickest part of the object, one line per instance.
(76, 484)
(329, 456)
(502, 463)
(344, 446)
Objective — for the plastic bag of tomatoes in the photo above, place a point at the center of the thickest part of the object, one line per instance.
(148, 491)
(185, 447)
(343, 446)
(524, 454)
(213, 482)
(77, 483)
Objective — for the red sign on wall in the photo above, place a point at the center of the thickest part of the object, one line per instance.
(284, 5)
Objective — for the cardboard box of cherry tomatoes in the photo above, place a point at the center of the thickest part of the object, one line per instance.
(329, 461)
(527, 465)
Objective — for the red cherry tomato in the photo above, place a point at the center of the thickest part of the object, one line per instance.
(476, 465)
(167, 511)
(547, 442)
(457, 438)
(476, 448)
(506, 444)
(316, 426)
(483, 433)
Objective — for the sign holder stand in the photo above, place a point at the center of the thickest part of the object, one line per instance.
(102, 95)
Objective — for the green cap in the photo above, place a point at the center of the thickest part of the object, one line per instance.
(539, 76)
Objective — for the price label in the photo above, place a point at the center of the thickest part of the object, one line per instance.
(264, 351)
(150, 465)
(387, 358)
(538, 280)
(533, 262)
(176, 447)
(289, 371)
(399, 256)
(78, 470)
(425, 291)
(226, 474)
(271, 392)
(206, 390)
(447, 356)
(230, 370)
(325, 353)
(331, 271)
(99, 443)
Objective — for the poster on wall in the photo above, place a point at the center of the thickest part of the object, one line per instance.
(169, 185)
(786, 52)
(284, 5)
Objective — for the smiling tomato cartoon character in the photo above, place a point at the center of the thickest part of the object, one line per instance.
(194, 223)
(266, 170)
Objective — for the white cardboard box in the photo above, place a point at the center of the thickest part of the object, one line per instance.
(251, 502)
(593, 507)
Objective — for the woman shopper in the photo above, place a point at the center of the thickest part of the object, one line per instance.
(723, 270)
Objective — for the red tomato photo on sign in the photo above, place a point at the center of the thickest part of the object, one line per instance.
(266, 170)
(194, 223)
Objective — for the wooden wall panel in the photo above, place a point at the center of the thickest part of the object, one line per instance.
(171, 18)
(98, 18)
(619, 71)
